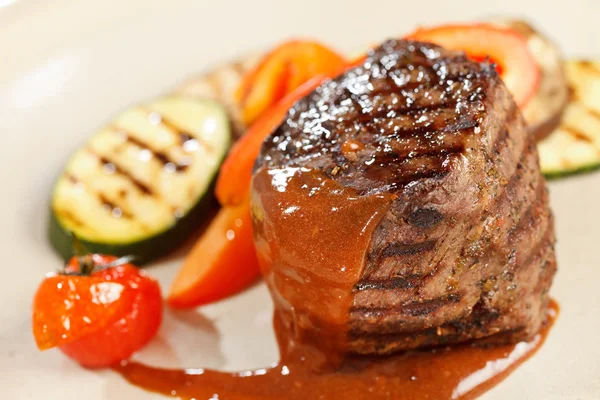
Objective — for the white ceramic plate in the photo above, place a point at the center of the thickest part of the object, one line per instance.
(66, 66)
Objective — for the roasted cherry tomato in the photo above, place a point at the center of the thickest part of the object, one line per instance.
(99, 310)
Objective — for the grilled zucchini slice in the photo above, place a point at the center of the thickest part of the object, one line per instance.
(574, 147)
(143, 182)
(220, 84)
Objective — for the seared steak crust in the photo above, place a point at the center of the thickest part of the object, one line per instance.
(466, 249)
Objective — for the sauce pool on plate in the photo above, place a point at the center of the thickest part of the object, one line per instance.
(461, 372)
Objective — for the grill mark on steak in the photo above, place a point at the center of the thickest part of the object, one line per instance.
(401, 103)
(523, 173)
(547, 267)
(414, 309)
(501, 141)
(409, 172)
(429, 306)
(418, 130)
(402, 109)
(425, 217)
(402, 249)
(539, 247)
(546, 244)
(531, 217)
(387, 284)
(387, 85)
(425, 152)
(446, 334)
(436, 173)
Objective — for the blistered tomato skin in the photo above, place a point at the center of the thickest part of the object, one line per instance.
(97, 320)
(124, 336)
(68, 307)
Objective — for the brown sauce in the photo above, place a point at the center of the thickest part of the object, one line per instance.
(462, 372)
(311, 237)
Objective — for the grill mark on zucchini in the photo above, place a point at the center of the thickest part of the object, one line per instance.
(113, 209)
(72, 179)
(172, 126)
(157, 154)
(107, 203)
(592, 113)
(572, 93)
(185, 137)
(577, 135)
(176, 211)
(589, 67)
(119, 170)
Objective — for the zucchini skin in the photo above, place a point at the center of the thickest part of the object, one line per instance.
(67, 245)
(555, 175)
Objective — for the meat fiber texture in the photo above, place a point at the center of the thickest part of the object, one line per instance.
(465, 251)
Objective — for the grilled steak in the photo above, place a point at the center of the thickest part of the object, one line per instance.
(465, 250)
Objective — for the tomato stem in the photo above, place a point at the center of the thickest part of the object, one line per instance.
(87, 265)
